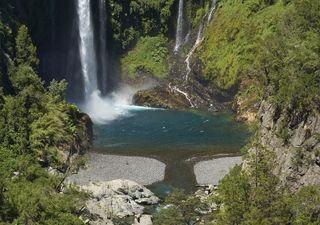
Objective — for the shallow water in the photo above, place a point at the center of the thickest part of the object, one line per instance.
(178, 138)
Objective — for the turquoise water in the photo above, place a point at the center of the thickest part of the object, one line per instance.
(173, 137)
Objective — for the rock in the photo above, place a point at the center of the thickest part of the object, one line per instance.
(143, 220)
(212, 171)
(160, 97)
(142, 170)
(120, 198)
(318, 160)
(177, 95)
(285, 132)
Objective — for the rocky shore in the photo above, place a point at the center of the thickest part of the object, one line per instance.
(212, 171)
(101, 167)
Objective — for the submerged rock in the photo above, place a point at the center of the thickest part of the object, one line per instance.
(117, 198)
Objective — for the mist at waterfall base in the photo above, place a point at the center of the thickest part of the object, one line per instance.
(117, 105)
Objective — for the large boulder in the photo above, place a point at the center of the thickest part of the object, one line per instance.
(118, 198)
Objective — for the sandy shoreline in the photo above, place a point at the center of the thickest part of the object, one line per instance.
(211, 171)
(102, 167)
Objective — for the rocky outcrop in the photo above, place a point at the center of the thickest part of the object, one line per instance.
(161, 97)
(295, 139)
(175, 96)
(118, 198)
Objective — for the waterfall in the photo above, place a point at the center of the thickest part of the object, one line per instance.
(194, 47)
(87, 48)
(179, 32)
(103, 45)
(185, 94)
(199, 37)
(212, 9)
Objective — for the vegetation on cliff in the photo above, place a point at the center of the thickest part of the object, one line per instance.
(150, 56)
(38, 129)
(274, 42)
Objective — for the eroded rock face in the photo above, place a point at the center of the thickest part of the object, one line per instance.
(120, 198)
(295, 139)
(178, 96)
(160, 97)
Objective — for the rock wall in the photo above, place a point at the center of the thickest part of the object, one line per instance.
(295, 139)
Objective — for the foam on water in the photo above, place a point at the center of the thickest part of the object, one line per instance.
(118, 104)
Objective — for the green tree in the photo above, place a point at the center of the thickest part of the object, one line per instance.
(305, 206)
(169, 216)
(26, 52)
(181, 209)
(234, 193)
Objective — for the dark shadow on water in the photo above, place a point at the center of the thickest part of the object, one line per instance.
(179, 139)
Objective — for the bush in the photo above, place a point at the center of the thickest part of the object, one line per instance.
(150, 55)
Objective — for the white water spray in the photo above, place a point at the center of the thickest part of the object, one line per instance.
(87, 48)
(103, 45)
(179, 32)
(101, 110)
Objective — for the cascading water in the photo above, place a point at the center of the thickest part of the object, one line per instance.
(87, 48)
(212, 9)
(101, 110)
(179, 32)
(194, 47)
(199, 38)
(103, 45)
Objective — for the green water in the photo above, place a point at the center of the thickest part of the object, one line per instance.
(177, 138)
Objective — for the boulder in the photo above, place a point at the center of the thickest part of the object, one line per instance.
(118, 198)
(143, 220)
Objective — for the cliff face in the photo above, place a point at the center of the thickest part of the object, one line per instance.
(295, 139)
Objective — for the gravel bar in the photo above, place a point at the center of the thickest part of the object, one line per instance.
(102, 167)
(212, 171)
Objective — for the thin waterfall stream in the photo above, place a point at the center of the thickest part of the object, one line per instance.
(180, 23)
(200, 37)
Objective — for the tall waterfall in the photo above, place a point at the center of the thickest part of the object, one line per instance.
(103, 45)
(87, 48)
(179, 32)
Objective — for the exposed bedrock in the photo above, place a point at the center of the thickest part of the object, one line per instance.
(295, 139)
